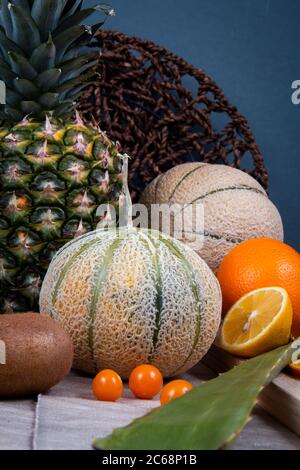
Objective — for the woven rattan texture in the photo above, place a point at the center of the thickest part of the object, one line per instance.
(164, 112)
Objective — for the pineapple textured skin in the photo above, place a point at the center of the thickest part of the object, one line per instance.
(53, 176)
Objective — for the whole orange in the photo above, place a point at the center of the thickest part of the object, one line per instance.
(261, 262)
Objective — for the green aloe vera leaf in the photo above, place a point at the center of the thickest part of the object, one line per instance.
(208, 417)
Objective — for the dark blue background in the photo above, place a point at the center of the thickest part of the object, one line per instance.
(251, 49)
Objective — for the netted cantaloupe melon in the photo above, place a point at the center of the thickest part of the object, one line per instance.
(133, 296)
(236, 207)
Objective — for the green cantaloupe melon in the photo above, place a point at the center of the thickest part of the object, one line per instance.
(131, 296)
(236, 207)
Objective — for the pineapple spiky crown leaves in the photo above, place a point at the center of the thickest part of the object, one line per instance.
(46, 55)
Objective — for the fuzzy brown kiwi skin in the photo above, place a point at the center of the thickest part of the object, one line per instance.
(39, 354)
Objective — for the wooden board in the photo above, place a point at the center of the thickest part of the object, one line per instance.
(281, 398)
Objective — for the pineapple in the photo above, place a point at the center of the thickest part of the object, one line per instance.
(55, 169)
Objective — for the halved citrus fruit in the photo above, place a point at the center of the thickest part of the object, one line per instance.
(258, 322)
(295, 368)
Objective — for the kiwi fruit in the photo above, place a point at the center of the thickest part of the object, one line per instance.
(35, 354)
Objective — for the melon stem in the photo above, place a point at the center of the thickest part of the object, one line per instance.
(125, 202)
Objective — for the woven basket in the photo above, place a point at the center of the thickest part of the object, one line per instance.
(164, 111)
